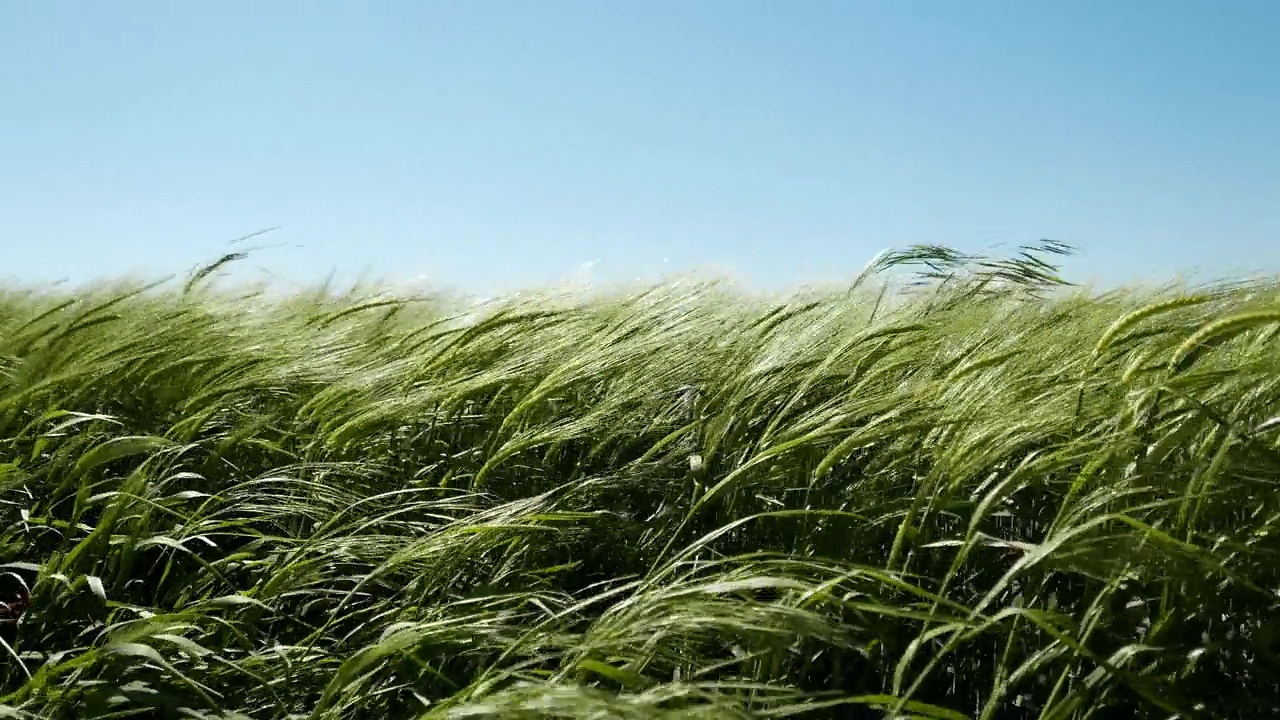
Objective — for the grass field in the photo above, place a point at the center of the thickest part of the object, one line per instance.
(982, 495)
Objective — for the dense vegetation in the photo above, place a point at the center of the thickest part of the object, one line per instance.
(981, 494)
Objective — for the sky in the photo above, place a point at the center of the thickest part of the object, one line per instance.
(491, 146)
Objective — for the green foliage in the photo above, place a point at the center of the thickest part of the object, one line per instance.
(983, 494)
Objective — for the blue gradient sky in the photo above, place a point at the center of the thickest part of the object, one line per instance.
(491, 145)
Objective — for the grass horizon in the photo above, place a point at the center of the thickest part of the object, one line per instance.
(234, 272)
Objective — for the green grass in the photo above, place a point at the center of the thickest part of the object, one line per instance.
(983, 496)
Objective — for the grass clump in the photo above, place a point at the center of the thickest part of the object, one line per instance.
(973, 496)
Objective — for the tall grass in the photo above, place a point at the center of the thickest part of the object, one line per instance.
(982, 495)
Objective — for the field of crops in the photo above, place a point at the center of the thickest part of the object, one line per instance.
(977, 495)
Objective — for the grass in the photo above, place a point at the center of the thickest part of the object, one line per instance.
(978, 495)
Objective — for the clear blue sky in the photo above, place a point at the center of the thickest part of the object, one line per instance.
(492, 145)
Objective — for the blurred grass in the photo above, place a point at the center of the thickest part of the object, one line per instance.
(979, 493)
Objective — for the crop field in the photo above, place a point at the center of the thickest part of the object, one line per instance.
(955, 488)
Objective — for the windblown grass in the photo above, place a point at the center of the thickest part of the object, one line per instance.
(976, 497)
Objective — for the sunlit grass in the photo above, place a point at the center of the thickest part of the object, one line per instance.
(981, 495)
